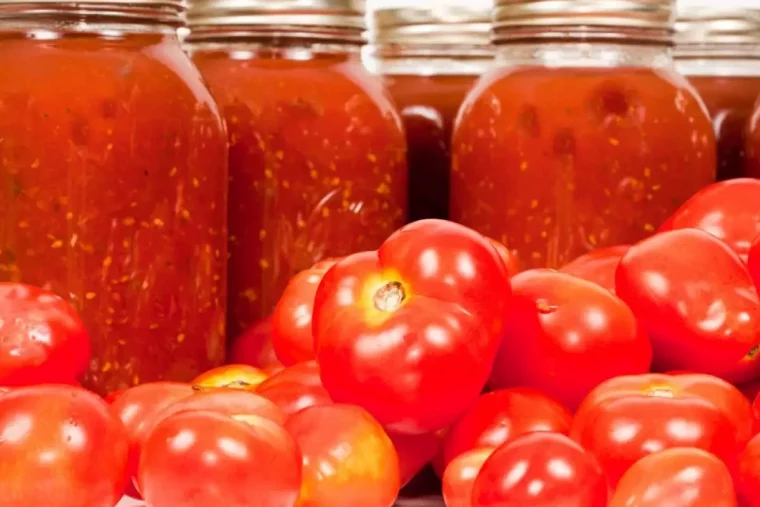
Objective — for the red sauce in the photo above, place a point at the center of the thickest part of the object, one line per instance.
(752, 147)
(730, 101)
(557, 162)
(429, 106)
(113, 167)
(317, 166)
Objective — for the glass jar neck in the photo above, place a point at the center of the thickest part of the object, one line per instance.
(279, 49)
(429, 59)
(583, 54)
(728, 60)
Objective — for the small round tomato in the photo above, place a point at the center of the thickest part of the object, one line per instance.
(410, 332)
(748, 476)
(460, 475)
(295, 388)
(292, 337)
(541, 470)
(564, 336)
(254, 346)
(203, 459)
(42, 338)
(501, 416)
(727, 210)
(348, 460)
(679, 477)
(696, 300)
(598, 266)
(510, 258)
(233, 376)
(60, 444)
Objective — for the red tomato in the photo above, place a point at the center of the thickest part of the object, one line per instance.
(295, 388)
(254, 346)
(43, 338)
(135, 407)
(540, 470)
(292, 338)
(460, 475)
(696, 301)
(60, 444)
(748, 476)
(509, 258)
(501, 416)
(203, 459)
(727, 210)
(677, 477)
(564, 336)
(753, 263)
(234, 376)
(598, 266)
(627, 418)
(414, 452)
(410, 332)
(348, 460)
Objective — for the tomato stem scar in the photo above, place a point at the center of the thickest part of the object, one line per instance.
(389, 297)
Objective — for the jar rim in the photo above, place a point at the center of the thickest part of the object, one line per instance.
(715, 24)
(442, 24)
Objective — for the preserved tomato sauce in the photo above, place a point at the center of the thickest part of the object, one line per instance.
(752, 151)
(113, 167)
(317, 163)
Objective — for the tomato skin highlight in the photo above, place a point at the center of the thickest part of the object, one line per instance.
(295, 388)
(680, 477)
(459, 477)
(598, 266)
(60, 444)
(696, 300)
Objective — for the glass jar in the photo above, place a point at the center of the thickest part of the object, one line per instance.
(430, 57)
(317, 151)
(584, 135)
(718, 50)
(113, 155)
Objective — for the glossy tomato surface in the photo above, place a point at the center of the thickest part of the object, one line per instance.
(696, 300)
(501, 416)
(727, 210)
(678, 477)
(598, 266)
(748, 476)
(233, 376)
(295, 388)
(410, 332)
(540, 470)
(459, 477)
(348, 460)
(414, 452)
(203, 459)
(753, 261)
(61, 446)
(292, 337)
(43, 340)
(627, 418)
(510, 258)
(564, 336)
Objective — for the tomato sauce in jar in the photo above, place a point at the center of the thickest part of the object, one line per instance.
(430, 57)
(317, 151)
(579, 142)
(113, 166)
(717, 50)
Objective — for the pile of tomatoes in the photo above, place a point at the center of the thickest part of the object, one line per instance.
(624, 379)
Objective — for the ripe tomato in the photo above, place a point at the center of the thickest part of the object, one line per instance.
(460, 475)
(292, 338)
(509, 258)
(203, 459)
(410, 332)
(598, 266)
(748, 476)
(135, 407)
(254, 346)
(234, 376)
(564, 336)
(627, 418)
(414, 452)
(43, 338)
(501, 416)
(348, 460)
(678, 477)
(753, 263)
(60, 444)
(696, 301)
(540, 470)
(295, 388)
(727, 210)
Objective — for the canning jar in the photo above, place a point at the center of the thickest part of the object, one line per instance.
(317, 151)
(430, 57)
(584, 135)
(113, 158)
(718, 50)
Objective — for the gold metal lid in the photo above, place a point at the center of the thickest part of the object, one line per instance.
(163, 11)
(701, 23)
(444, 24)
(345, 15)
(647, 15)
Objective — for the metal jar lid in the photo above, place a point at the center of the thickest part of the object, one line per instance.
(647, 15)
(702, 23)
(164, 11)
(346, 15)
(443, 24)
